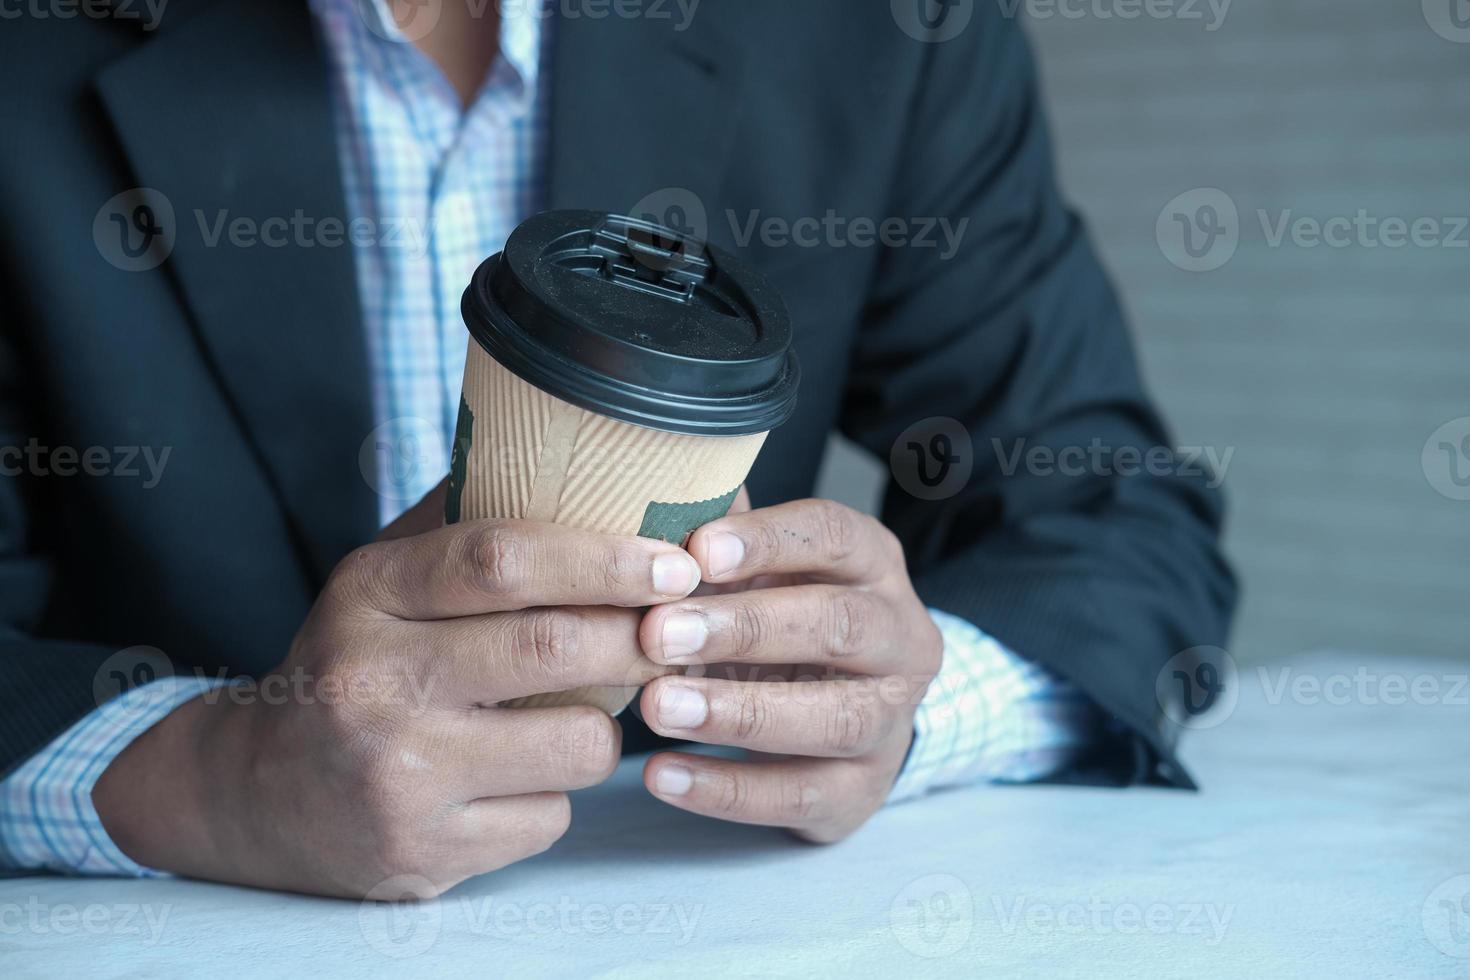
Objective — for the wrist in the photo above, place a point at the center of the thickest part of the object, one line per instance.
(161, 801)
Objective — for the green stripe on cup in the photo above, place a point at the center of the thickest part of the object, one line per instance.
(459, 459)
(675, 522)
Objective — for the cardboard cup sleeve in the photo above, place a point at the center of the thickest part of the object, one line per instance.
(521, 453)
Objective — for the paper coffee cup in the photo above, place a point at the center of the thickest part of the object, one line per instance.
(620, 379)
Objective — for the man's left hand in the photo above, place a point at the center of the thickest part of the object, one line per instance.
(816, 665)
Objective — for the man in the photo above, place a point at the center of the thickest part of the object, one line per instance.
(235, 241)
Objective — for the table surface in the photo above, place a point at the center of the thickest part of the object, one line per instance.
(1332, 838)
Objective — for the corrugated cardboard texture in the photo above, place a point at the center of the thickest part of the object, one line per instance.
(535, 457)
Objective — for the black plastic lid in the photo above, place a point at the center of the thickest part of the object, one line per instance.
(630, 320)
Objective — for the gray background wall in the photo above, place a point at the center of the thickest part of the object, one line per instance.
(1326, 370)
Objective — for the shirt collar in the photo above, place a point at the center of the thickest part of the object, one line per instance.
(520, 26)
(520, 36)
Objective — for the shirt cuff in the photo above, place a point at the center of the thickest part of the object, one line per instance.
(992, 716)
(47, 820)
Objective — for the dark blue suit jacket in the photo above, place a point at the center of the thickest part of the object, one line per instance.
(249, 364)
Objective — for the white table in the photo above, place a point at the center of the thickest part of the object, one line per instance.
(1332, 839)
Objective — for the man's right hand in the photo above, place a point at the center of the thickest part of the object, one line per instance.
(396, 760)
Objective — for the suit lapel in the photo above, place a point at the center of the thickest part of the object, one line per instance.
(643, 115)
(227, 113)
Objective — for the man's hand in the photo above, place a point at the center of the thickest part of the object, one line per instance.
(388, 757)
(817, 667)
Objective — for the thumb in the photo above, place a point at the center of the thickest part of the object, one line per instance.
(425, 516)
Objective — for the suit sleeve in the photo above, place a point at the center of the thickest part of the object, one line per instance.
(45, 684)
(1078, 539)
(47, 818)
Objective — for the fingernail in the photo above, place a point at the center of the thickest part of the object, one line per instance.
(675, 574)
(726, 552)
(681, 707)
(673, 780)
(683, 635)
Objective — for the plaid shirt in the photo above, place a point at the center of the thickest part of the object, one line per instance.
(437, 190)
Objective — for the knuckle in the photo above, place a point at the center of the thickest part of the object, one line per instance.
(547, 640)
(798, 799)
(357, 576)
(498, 558)
(752, 716)
(764, 542)
(892, 545)
(931, 647)
(837, 526)
(553, 819)
(591, 743)
(850, 623)
(750, 628)
(848, 728)
(732, 795)
(620, 567)
(542, 823)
